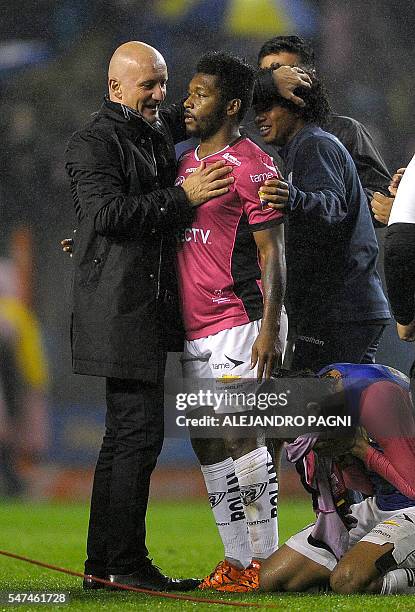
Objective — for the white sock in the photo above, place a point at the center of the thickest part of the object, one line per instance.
(259, 493)
(399, 581)
(224, 496)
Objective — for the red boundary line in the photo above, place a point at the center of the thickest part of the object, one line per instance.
(240, 604)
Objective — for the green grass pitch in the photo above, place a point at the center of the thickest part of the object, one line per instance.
(182, 539)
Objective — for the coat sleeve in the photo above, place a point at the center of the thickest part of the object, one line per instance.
(98, 183)
(318, 188)
(399, 265)
(370, 165)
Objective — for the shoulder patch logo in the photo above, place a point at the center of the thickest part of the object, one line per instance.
(233, 160)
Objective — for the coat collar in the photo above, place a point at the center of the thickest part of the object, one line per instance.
(129, 116)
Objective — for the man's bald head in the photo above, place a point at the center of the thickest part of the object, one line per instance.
(137, 76)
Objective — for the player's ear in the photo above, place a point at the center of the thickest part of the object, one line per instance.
(233, 107)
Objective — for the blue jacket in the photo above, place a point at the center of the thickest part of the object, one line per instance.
(331, 246)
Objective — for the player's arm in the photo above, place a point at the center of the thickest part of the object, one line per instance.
(266, 349)
(318, 188)
(386, 413)
(371, 168)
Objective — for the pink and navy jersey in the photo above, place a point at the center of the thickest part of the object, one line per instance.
(217, 260)
(378, 397)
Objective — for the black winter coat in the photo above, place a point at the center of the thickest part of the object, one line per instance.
(122, 172)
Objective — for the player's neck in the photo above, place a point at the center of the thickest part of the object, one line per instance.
(221, 139)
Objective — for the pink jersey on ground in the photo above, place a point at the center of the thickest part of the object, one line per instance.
(218, 267)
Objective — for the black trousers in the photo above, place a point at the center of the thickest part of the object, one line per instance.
(134, 430)
(319, 345)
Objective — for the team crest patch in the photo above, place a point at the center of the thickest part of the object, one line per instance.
(253, 492)
(216, 498)
(333, 374)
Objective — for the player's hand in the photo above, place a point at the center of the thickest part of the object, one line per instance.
(406, 332)
(396, 179)
(289, 78)
(360, 445)
(266, 351)
(67, 246)
(275, 192)
(208, 182)
(381, 207)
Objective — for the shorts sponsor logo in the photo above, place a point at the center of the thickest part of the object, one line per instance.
(190, 170)
(216, 498)
(226, 365)
(251, 493)
(262, 177)
(233, 160)
(228, 378)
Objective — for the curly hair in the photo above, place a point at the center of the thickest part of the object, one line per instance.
(235, 77)
(317, 105)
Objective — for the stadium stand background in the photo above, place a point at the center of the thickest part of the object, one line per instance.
(53, 59)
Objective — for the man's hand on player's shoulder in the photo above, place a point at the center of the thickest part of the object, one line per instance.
(275, 193)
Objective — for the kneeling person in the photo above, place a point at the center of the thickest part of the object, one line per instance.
(380, 551)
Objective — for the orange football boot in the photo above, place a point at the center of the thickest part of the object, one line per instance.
(223, 574)
(248, 580)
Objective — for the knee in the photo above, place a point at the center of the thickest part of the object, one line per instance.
(347, 579)
(270, 581)
(209, 451)
(277, 579)
(237, 448)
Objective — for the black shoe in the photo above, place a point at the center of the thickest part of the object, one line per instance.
(90, 585)
(150, 577)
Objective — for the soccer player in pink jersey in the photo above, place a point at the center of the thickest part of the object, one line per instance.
(232, 279)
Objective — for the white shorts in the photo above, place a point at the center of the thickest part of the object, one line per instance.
(225, 359)
(373, 525)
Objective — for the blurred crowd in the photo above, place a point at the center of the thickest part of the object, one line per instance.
(52, 78)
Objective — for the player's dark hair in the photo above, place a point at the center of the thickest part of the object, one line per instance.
(235, 77)
(290, 44)
(317, 105)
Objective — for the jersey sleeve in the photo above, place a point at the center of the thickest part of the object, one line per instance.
(251, 176)
(387, 415)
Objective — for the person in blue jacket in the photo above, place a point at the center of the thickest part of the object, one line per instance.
(336, 307)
